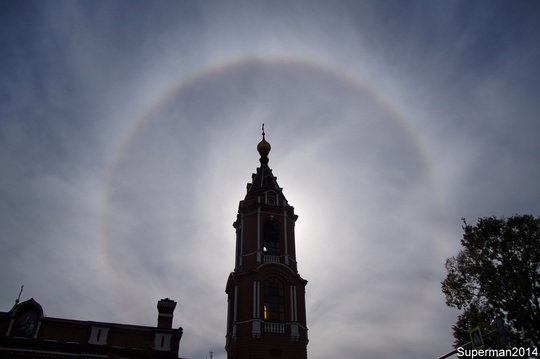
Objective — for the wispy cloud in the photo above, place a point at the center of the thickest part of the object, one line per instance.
(128, 133)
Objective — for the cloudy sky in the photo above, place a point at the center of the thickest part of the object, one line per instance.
(128, 132)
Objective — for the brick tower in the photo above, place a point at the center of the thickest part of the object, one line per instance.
(266, 296)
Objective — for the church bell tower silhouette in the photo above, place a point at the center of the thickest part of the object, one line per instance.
(266, 296)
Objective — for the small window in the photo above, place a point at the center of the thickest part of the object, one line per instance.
(98, 335)
(162, 342)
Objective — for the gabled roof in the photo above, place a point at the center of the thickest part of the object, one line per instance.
(29, 304)
(264, 180)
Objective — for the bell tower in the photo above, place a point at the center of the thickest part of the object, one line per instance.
(266, 296)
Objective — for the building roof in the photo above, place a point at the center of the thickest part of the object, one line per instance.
(25, 332)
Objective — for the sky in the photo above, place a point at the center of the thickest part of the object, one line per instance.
(128, 133)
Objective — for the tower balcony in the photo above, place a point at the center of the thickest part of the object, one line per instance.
(270, 327)
(271, 259)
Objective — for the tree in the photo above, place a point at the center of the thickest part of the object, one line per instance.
(497, 273)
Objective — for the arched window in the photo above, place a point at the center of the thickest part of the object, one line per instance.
(271, 238)
(274, 301)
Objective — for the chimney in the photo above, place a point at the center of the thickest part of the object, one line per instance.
(165, 309)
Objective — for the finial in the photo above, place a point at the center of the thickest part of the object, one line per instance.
(264, 148)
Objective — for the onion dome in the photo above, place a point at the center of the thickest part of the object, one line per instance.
(264, 147)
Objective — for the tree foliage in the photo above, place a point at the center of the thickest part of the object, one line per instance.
(497, 273)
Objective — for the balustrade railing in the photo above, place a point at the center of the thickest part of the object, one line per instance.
(274, 327)
(271, 259)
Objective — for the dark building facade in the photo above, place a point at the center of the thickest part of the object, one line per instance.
(266, 295)
(25, 333)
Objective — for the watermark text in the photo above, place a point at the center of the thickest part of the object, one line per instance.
(498, 353)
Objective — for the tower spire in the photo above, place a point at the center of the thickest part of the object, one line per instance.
(266, 295)
(264, 148)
